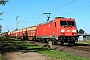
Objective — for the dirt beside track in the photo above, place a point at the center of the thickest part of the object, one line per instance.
(24, 56)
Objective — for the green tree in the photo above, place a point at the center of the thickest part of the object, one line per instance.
(81, 31)
(85, 33)
(16, 30)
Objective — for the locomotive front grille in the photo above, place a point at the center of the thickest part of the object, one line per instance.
(67, 38)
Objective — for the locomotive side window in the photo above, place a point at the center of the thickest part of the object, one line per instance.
(67, 23)
(55, 24)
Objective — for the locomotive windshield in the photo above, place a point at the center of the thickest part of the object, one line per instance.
(67, 23)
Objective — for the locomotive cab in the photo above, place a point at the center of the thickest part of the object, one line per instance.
(67, 31)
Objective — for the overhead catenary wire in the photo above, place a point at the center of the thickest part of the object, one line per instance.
(76, 10)
(22, 20)
(41, 19)
(56, 4)
(62, 5)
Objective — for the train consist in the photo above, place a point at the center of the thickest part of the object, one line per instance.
(60, 29)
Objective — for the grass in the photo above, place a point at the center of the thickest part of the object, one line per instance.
(84, 42)
(54, 54)
(0, 56)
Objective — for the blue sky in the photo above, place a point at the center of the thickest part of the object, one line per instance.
(31, 12)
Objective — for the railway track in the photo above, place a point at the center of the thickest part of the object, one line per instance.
(82, 47)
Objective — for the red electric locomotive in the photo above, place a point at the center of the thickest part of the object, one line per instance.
(60, 29)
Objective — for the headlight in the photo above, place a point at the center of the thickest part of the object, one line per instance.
(73, 30)
(62, 30)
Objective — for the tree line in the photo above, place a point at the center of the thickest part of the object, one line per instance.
(81, 31)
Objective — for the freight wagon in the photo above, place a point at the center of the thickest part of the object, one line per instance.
(31, 32)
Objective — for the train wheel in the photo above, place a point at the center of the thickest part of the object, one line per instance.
(42, 40)
(54, 42)
(71, 43)
(62, 43)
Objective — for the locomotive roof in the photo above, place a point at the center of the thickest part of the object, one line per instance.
(46, 22)
(59, 17)
(63, 18)
(53, 20)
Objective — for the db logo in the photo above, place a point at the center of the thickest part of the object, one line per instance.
(68, 30)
